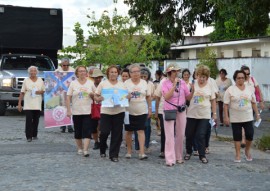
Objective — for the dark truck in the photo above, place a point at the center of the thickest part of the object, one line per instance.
(28, 37)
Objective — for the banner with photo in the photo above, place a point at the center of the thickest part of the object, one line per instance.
(56, 87)
(114, 97)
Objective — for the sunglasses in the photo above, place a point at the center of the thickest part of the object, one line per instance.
(248, 74)
(65, 65)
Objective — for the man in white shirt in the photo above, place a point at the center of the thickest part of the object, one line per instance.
(65, 67)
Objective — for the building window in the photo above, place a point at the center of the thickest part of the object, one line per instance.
(222, 55)
(256, 53)
(239, 54)
(266, 54)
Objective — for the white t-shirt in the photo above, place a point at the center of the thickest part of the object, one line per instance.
(152, 87)
(239, 101)
(107, 84)
(222, 87)
(158, 93)
(32, 101)
(200, 104)
(138, 104)
(81, 101)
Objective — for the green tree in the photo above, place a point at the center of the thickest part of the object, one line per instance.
(175, 18)
(208, 57)
(116, 40)
(171, 18)
(235, 19)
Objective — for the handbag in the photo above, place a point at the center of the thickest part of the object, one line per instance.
(257, 91)
(170, 115)
(95, 110)
(180, 108)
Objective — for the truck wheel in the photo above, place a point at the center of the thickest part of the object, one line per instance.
(3, 108)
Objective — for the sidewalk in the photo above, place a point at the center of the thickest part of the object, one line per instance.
(51, 163)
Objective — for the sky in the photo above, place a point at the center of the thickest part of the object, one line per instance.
(77, 10)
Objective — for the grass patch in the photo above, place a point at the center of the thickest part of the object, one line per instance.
(225, 139)
(263, 143)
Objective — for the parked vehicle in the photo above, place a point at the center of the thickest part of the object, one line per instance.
(28, 36)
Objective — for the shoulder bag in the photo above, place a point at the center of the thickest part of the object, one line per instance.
(257, 91)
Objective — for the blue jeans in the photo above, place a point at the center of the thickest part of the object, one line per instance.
(147, 132)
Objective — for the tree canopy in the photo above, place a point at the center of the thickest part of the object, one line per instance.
(171, 18)
(175, 18)
(115, 40)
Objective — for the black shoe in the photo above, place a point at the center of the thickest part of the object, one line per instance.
(96, 146)
(70, 130)
(161, 155)
(63, 129)
(113, 159)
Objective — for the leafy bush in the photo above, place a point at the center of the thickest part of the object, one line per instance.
(263, 143)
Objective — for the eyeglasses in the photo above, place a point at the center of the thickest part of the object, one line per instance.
(240, 78)
(81, 71)
(137, 71)
(65, 65)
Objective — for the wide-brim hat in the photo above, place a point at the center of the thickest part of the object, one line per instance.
(97, 73)
(172, 67)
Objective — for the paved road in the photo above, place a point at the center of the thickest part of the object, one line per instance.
(51, 163)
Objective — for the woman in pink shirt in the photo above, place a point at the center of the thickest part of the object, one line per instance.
(175, 93)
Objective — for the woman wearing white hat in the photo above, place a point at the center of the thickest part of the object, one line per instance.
(175, 93)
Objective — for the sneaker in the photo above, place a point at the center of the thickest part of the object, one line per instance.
(35, 138)
(96, 146)
(85, 153)
(128, 156)
(80, 152)
(143, 156)
(29, 140)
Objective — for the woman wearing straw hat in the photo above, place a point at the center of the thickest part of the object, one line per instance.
(175, 93)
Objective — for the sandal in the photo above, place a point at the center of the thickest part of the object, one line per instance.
(187, 156)
(207, 150)
(196, 153)
(204, 160)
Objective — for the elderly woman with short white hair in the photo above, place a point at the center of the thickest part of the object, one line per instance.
(31, 92)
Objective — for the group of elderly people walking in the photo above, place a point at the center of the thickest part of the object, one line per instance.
(192, 104)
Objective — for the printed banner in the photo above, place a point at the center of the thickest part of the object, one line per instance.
(114, 97)
(56, 86)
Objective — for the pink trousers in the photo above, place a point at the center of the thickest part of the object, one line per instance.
(174, 138)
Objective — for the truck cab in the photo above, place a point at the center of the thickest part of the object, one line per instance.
(13, 71)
